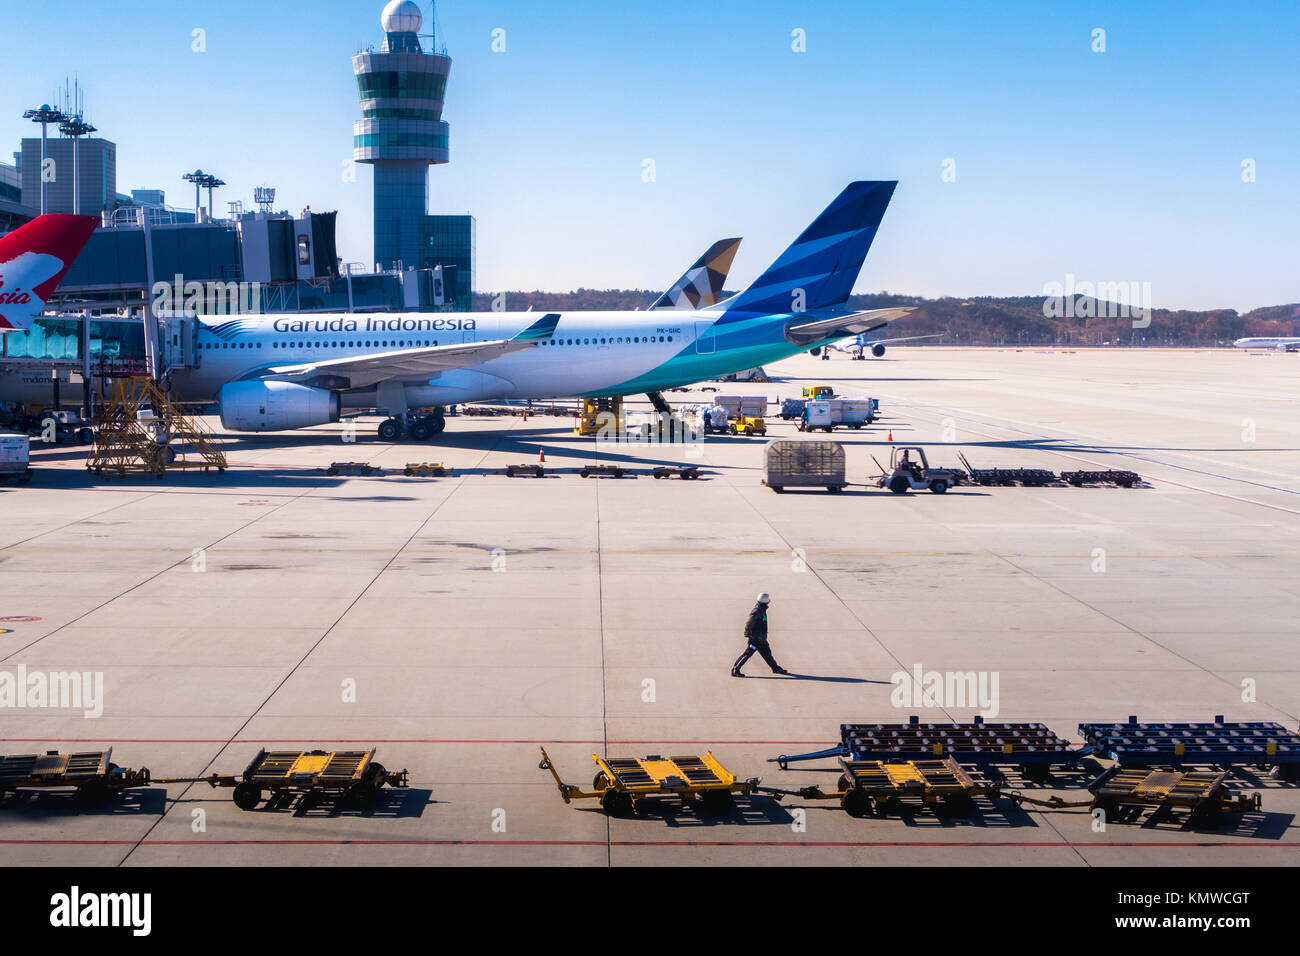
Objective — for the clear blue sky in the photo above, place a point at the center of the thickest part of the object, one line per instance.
(1115, 166)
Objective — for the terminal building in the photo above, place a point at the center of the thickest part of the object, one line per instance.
(96, 170)
(261, 260)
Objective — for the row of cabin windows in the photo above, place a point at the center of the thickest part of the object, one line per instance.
(319, 345)
(611, 340)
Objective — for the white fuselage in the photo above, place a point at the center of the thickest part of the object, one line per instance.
(589, 352)
(1289, 344)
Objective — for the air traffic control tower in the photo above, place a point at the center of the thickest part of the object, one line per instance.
(402, 133)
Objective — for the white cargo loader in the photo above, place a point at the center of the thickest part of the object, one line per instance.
(15, 458)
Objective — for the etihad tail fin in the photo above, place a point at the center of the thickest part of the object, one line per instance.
(33, 260)
(701, 285)
(818, 271)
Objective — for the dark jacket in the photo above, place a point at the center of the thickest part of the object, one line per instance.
(756, 626)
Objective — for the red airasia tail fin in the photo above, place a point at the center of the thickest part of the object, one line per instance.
(33, 260)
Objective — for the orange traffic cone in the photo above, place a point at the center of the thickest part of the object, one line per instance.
(541, 455)
(891, 434)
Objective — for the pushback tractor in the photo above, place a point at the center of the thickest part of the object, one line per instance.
(909, 470)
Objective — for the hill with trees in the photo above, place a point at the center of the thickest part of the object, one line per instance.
(988, 320)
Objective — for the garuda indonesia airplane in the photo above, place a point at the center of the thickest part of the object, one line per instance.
(272, 373)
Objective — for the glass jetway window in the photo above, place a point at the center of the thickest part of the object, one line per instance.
(116, 341)
(111, 340)
(57, 339)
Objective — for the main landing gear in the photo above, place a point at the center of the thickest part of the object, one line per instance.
(404, 428)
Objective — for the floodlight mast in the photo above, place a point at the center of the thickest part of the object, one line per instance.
(45, 115)
(76, 127)
(202, 180)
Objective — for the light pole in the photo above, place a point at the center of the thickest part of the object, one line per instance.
(205, 180)
(44, 115)
(76, 127)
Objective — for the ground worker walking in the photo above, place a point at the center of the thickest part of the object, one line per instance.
(756, 636)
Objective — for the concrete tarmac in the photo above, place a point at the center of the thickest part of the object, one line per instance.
(459, 623)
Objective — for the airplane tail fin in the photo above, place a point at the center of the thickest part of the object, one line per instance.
(701, 285)
(825, 260)
(33, 260)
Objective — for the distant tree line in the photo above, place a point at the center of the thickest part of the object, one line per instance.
(986, 320)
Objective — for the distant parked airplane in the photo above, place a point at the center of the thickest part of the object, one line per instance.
(859, 345)
(1281, 344)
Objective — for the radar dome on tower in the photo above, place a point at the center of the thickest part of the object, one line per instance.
(401, 16)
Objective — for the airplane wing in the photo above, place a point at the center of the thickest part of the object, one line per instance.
(702, 283)
(853, 323)
(364, 370)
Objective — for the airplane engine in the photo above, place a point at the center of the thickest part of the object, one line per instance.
(275, 406)
(877, 350)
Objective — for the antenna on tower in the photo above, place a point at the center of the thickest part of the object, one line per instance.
(435, 30)
(264, 196)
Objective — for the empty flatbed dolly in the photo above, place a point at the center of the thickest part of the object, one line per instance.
(604, 471)
(1125, 479)
(353, 775)
(362, 468)
(871, 786)
(91, 775)
(622, 783)
(521, 471)
(426, 469)
(687, 472)
(1217, 744)
(1203, 793)
(1033, 747)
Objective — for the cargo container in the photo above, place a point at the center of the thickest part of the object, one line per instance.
(804, 464)
(15, 458)
(834, 413)
(743, 406)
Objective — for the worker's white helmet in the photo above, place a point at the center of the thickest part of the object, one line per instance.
(765, 598)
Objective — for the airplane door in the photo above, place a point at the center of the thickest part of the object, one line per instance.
(704, 343)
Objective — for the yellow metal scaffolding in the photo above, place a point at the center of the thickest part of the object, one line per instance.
(144, 431)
